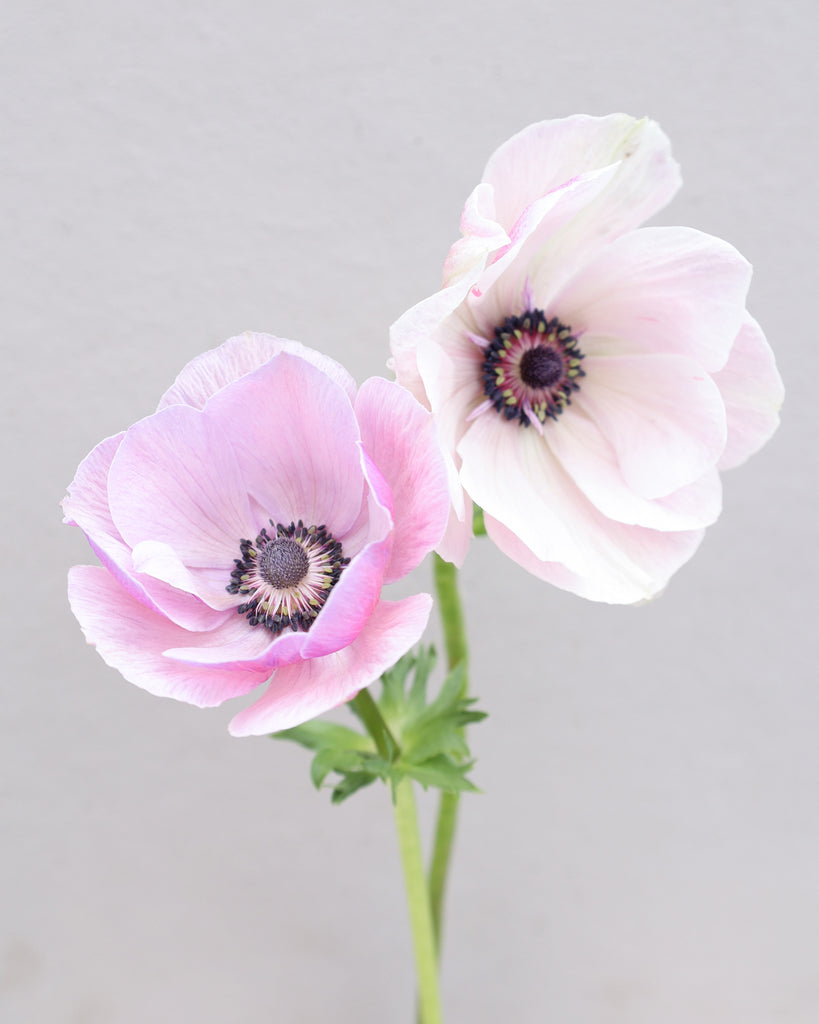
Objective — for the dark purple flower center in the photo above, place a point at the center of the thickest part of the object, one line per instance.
(540, 367)
(283, 563)
(287, 577)
(531, 367)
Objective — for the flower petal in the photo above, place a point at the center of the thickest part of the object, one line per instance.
(176, 480)
(86, 506)
(481, 235)
(545, 155)
(309, 688)
(591, 461)
(353, 598)
(296, 442)
(510, 472)
(345, 613)
(543, 251)
(671, 290)
(238, 646)
(645, 561)
(400, 437)
(457, 537)
(131, 638)
(419, 323)
(238, 356)
(662, 414)
(753, 392)
(157, 561)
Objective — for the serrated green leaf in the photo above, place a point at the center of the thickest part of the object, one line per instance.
(452, 688)
(424, 664)
(393, 682)
(452, 716)
(442, 773)
(425, 742)
(332, 759)
(351, 783)
(434, 736)
(318, 734)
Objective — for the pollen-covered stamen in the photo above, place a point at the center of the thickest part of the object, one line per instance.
(287, 577)
(531, 368)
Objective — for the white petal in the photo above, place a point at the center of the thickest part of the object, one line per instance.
(753, 392)
(661, 290)
(662, 414)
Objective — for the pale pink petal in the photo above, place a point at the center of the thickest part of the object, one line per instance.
(545, 155)
(662, 414)
(236, 645)
(215, 369)
(672, 290)
(153, 558)
(540, 237)
(344, 615)
(86, 505)
(302, 691)
(481, 235)
(753, 392)
(181, 606)
(400, 437)
(131, 638)
(353, 598)
(450, 365)
(418, 324)
(511, 474)
(591, 461)
(176, 480)
(296, 440)
(645, 561)
(455, 542)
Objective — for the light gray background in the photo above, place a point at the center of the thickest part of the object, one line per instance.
(646, 848)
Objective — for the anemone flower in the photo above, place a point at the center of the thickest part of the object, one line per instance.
(246, 530)
(589, 376)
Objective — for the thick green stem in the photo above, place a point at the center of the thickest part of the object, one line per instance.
(449, 602)
(423, 934)
(452, 616)
(409, 841)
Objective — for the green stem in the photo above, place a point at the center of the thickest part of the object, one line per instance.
(423, 934)
(370, 714)
(409, 841)
(452, 616)
(449, 602)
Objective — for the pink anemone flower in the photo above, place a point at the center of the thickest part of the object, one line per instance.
(589, 377)
(246, 530)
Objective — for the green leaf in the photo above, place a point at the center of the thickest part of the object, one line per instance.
(317, 734)
(437, 737)
(351, 783)
(416, 739)
(452, 688)
(424, 664)
(331, 759)
(442, 773)
(393, 682)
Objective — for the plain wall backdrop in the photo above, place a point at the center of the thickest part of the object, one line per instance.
(646, 848)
